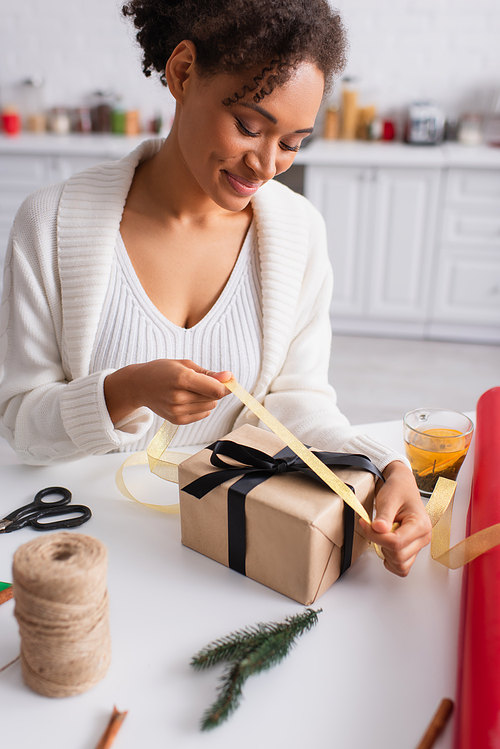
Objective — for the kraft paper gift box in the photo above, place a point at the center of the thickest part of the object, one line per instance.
(287, 533)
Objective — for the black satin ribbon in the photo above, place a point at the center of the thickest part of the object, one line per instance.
(256, 467)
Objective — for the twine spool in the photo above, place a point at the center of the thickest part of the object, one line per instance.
(62, 612)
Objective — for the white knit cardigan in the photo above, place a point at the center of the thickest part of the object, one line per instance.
(57, 271)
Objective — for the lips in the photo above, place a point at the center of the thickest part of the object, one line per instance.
(242, 186)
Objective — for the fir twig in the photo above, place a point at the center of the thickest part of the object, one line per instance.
(233, 647)
(238, 644)
(248, 651)
(228, 698)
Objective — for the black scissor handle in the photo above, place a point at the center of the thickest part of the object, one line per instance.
(33, 508)
(82, 511)
(65, 496)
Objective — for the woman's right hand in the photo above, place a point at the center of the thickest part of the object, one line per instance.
(175, 389)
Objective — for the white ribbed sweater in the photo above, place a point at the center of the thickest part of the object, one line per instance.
(132, 329)
(57, 272)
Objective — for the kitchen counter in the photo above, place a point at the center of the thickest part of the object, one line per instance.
(317, 152)
(362, 153)
(48, 144)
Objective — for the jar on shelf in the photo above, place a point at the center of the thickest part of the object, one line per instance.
(349, 107)
(31, 96)
(366, 115)
(101, 106)
(331, 123)
(470, 130)
(11, 120)
(132, 123)
(82, 122)
(118, 116)
(37, 122)
(156, 124)
(59, 120)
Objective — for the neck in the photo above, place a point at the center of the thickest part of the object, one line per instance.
(166, 188)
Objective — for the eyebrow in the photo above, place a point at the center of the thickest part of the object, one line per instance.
(269, 116)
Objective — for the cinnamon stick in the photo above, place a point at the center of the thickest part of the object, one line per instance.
(112, 729)
(437, 724)
(6, 594)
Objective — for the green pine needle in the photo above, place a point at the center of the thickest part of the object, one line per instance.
(230, 648)
(228, 698)
(248, 651)
(238, 644)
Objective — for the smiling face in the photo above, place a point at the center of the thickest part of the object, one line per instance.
(228, 151)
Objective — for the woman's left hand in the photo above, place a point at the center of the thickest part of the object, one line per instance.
(398, 501)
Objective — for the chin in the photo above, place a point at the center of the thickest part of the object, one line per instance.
(227, 198)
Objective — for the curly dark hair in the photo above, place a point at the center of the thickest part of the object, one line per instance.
(235, 36)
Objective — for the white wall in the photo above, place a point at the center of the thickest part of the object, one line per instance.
(402, 50)
(445, 50)
(78, 47)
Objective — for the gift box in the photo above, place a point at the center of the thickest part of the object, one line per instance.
(249, 503)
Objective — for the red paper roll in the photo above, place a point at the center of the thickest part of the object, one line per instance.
(478, 693)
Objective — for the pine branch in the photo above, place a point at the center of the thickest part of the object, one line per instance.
(238, 644)
(249, 651)
(233, 647)
(228, 698)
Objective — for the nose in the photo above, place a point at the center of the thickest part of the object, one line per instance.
(261, 159)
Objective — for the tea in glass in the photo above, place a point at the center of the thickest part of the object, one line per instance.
(436, 443)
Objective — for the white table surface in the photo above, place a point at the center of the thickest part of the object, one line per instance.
(371, 673)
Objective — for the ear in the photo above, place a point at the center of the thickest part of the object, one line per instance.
(180, 68)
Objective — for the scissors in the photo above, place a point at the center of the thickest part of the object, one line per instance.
(41, 508)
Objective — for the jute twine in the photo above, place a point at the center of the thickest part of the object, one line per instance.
(61, 605)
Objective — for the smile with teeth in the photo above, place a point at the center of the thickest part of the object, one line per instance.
(240, 185)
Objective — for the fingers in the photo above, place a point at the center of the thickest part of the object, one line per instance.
(181, 391)
(220, 376)
(389, 503)
(401, 570)
(400, 547)
(412, 528)
(400, 556)
(201, 381)
(180, 416)
(401, 527)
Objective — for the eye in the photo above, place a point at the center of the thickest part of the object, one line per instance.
(245, 130)
(289, 148)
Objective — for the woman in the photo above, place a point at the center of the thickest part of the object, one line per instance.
(133, 287)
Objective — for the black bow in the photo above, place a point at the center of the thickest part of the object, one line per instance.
(255, 467)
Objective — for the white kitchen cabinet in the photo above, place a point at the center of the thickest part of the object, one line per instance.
(466, 297)
(381, 225)
(343, 197)
(413, 235)
(401, 244)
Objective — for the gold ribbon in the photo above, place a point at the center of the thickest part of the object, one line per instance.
(299, 449)
(440, 510)
(165, 469)
(439, 507)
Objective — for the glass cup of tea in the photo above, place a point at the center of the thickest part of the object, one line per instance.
(436, 443)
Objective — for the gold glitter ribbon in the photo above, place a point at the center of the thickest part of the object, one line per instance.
(299, 449)
(165, 469)
(440, 510)
(439, 507)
